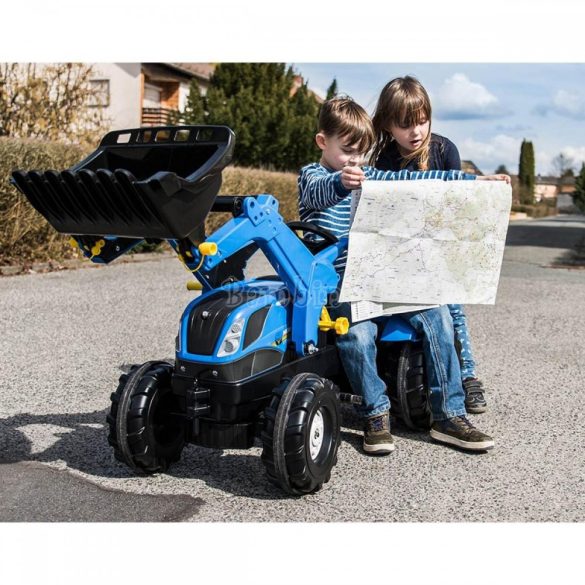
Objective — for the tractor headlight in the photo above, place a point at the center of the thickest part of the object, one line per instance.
(231, 341)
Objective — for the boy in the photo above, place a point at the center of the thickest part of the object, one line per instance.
(345, 135)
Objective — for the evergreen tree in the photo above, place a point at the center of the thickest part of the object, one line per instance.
(332, 89)
(253, 99)
(502, 170)
(302, 148)
(194, 112)
(273, 129)
(526, 172)
(579, 194)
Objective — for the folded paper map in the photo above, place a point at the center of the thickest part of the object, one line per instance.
(417, 243)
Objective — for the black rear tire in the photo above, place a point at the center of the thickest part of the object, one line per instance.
(146, 429)
(405, 377)
(301, 434)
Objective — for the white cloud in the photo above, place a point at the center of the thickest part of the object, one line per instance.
(544, 159)
(501, 149)
(577, 153)
(459, 98)
(569, 104)
(505, 149)
(565, 103)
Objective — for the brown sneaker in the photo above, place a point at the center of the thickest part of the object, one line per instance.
(474, 398)
(460, 432)
(377, 437)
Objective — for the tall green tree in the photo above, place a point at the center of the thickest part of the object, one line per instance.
(526, 172)
(253, 99)
(274, 125)
(579, 194)
(194, 112)
(302, 148)
(332, 89)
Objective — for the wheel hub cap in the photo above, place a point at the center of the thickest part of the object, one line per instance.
(316, 434)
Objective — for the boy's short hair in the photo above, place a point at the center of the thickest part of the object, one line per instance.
(341, 116)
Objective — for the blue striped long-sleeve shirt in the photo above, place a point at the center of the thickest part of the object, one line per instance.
(326, 203)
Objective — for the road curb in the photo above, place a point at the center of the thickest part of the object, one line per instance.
(76, 263)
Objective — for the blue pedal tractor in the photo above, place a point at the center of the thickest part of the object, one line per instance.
(255, 358)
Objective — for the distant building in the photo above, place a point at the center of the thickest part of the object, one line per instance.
(297, 83)
(146, 94)
(548, 187)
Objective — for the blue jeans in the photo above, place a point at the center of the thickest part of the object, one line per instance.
(462, 337)
(357, 350)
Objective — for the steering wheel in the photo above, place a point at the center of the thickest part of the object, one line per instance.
(314, 247)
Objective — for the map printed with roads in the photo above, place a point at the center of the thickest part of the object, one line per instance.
(422, 243)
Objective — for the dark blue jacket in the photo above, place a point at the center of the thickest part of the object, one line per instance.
(443, 156)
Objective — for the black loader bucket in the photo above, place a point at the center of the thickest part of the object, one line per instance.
(156, 182)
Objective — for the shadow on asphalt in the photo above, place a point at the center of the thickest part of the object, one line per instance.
(81, 442)
(552, 233)
(77, 441)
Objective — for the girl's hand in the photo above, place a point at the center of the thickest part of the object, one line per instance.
(495, 178)
(352, 177)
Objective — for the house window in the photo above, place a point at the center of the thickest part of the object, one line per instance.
(100, 93)
(152, 96)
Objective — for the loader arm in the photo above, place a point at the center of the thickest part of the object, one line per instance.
(309, 278)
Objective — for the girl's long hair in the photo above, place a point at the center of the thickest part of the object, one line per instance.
(403, 102)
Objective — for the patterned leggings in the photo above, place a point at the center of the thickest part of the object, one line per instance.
(462, 341)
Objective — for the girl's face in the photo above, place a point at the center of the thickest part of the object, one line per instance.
(411, 137)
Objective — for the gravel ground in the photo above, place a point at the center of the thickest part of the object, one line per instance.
(66, 337)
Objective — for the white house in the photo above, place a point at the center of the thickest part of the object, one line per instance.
(144, 94)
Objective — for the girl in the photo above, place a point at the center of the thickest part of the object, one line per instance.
(402, 124)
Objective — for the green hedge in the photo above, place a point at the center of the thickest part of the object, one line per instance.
(26, 237)
(542, 209)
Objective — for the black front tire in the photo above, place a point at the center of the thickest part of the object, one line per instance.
(301, 433)
(146, 429)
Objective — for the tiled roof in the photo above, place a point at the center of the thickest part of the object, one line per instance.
(546, 180)
(200, 70)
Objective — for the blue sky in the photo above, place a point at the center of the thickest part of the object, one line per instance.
(486, 109)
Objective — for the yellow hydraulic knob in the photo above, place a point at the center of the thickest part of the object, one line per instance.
(208, 249)
(341, 325)
(97, 247)
(194, 285)
(73, 243)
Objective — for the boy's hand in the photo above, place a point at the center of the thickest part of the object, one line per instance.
(495, 178)
(352, 177)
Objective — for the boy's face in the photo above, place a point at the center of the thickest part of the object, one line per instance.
(337, 153)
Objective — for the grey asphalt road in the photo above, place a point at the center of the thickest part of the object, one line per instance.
(66, 337)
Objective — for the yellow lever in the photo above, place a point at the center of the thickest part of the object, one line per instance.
(208, 248)
(194, 285)
(97, 248)
(341, 324)
(205, 249)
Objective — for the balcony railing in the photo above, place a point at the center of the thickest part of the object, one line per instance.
(158, 116)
